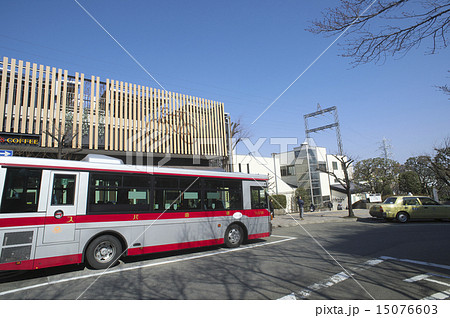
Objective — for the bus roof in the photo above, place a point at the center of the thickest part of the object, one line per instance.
(123, 168)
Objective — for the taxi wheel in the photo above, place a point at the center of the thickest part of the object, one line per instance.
(402, 217)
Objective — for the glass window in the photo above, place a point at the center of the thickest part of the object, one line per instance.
(110, 193)
(390, 200)
(190, 200)
(166, 182)
(335, 165)
(167, 200)
(177, 194)
(134, 181)
(63, 189)
(21, 190)
(410, 201)
(177, 200)
(189, 183)
(428, 201)
(258, 198)
(210, 183)
(291, 170)
(220, 194)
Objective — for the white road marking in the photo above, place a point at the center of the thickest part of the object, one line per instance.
(117, 270)
(282, 236)
(437, 282)
(332, 280)
(439, 296)
(416, 278)
(415, 262)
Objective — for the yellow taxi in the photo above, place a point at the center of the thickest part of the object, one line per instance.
(404, 208)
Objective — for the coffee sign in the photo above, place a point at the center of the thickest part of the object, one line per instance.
(20, 139)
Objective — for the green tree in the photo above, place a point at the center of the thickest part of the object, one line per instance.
(379, 174)
(279, 201)
(409, 182)
(421, 166)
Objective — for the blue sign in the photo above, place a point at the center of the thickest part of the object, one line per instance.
(6, 153)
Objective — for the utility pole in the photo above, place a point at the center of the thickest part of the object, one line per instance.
(275, 172)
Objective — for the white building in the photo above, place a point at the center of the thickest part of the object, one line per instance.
(269, 166)
(302, 167)
(305, 167)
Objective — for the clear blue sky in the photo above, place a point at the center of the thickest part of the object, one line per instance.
(244, 54)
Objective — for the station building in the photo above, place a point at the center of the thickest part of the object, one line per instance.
(46, 112)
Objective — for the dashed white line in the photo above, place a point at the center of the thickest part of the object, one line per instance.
(416, 278)
(332, 280)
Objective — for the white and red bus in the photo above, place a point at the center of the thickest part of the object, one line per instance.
(58, 212)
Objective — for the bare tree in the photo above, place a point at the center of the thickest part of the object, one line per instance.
(376, 29)
(238, 132)
(440, 163)
(444, 88)
(63, 140)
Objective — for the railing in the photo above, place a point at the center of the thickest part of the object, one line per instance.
(110, 115)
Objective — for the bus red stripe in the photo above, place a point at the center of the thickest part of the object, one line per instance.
(10, 222)
(257, 236)
(57, 261)
(173, 247)
(34, 221)
(43, 262)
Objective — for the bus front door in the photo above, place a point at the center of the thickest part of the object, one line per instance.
(61, 207)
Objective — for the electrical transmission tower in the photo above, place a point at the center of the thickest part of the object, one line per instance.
(385, 148)
(321, 111)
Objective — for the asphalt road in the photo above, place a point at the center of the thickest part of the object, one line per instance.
(366, 259)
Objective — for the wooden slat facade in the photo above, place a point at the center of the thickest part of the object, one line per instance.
(111, 115)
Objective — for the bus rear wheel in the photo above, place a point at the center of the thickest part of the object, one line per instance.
(103, 252)
(234, 236)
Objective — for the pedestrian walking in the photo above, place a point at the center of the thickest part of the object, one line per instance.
(300, 203)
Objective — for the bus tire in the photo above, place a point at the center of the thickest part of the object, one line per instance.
(103, 252)
(234, 236)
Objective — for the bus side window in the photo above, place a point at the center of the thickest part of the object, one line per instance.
(222, 194)
(63, 189)
(258, 198)
(112, 193)
(21, 190)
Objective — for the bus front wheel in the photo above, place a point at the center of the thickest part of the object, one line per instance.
(103, 252)
(234, 236)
